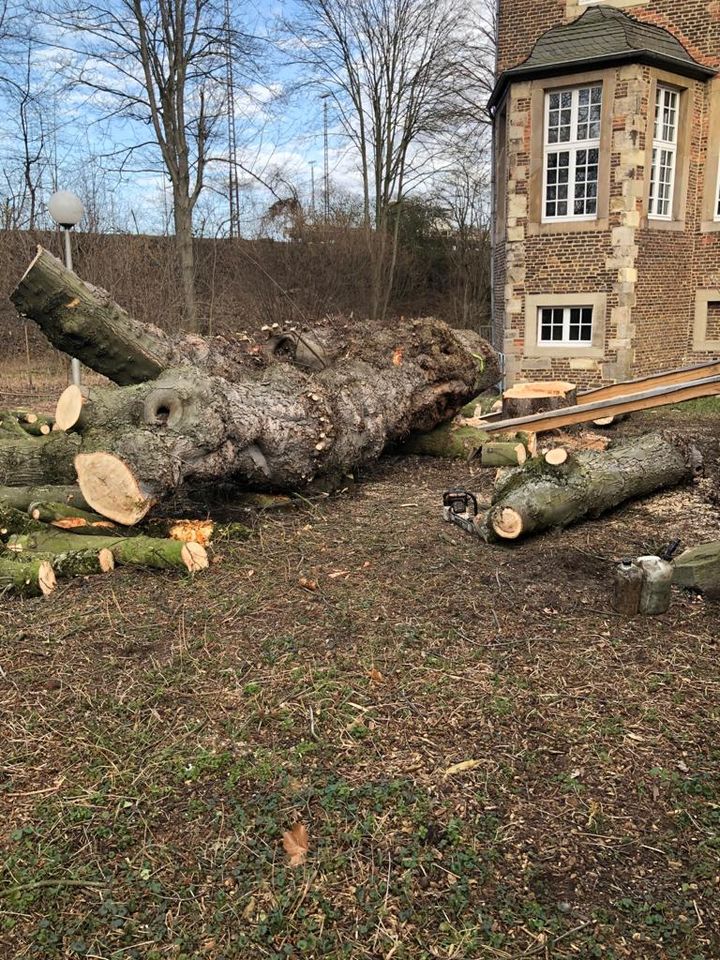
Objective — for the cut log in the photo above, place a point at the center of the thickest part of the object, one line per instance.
(79, 563)
(479, 406)
(193, 411)
(21, 497)
(538, 497)
(524, 399)
(503, 454)
(70, 518)
(138, 551)
(459, 440)
(14, 521)
(31, 578)
(556, 457)
(610, 421)
(69, 408)
(37, 461)
(699, 569)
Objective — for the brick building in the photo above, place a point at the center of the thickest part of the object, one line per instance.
(607, 187)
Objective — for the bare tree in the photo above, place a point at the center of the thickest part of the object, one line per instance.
(163, 65)
(397, 73)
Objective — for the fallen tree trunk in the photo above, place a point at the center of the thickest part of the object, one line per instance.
(539, 496)
(196, 411)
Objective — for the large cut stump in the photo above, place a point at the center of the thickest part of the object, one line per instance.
(524, 399)
(539, 495)
(191, 410)
(699, 569)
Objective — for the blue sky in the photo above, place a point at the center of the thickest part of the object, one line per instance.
(279, 137)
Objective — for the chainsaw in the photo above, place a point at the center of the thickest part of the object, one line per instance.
(460, 507)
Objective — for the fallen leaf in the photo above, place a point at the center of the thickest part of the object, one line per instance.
(249, 911)
(376, 676)
(307, 584)
(461, 767)
(397, 357)
(296, 844)
(635, 736)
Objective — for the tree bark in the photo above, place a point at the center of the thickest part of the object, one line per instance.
(540, 496)
(38, 461)
(183, 216)
(196, 411)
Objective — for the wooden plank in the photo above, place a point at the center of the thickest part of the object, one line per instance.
(679, 375)
(666, 378)
(584, 412)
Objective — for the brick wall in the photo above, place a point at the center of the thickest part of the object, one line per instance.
(650, 274)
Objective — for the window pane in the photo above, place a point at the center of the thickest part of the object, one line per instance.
(573, 118)
(569, 325)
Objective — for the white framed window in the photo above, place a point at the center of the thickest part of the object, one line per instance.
(572, 153)
(565, 326)
(664, 153)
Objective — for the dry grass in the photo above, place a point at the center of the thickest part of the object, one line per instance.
(161, 733)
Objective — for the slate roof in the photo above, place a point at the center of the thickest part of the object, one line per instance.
(601, 36)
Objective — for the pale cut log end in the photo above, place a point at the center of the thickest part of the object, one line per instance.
(540, 389)
(194, 556)
(106, 560)
(507, 523)
(521, 453)
(604, 421)
(69, 407)
(556, 457)
(46, 578)
(111, 488)
(30, 418)
(532, 444)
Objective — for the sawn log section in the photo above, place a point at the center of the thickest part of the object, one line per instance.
(540, 495)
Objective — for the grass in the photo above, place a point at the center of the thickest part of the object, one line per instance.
(160, 733)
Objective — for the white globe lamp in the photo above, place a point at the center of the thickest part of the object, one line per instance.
(67, 211)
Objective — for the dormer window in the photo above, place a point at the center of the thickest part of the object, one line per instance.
(572, 153)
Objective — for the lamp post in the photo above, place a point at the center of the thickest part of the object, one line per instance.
(67, 210)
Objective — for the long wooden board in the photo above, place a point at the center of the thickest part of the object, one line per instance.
(584, 412)
(667, 378)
